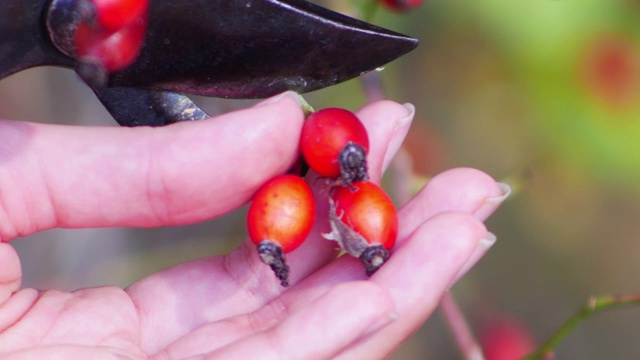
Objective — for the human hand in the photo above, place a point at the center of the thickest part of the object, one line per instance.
(227, 306)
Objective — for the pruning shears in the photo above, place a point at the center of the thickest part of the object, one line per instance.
(219, 48)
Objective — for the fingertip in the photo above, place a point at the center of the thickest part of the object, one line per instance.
(481, 249)
(461, 189)
(477, 183)
(459, 185)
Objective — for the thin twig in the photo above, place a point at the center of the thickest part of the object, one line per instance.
(459, 328)
(594, 305)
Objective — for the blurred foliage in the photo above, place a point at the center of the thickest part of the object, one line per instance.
(542, 94)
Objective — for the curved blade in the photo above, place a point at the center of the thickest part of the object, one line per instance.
(255, 48)
(24, 42)
(140, 107)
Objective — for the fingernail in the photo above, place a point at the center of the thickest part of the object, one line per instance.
(491, 203)
(274, 99)
(407, 119)
(382, 322)
(506, 191)
(481, 249)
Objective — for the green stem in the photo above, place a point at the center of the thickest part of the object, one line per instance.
(594, 305)
(306, 108)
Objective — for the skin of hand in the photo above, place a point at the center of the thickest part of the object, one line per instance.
(227, 306)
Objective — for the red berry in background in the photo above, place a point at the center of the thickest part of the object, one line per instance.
(401, 5)
(426, 149)
(334, 143)
(280, 218)
(505, 338)
(611, 70)
(364, 222)
(113, 15)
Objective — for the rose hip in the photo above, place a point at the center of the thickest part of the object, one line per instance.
(335, 143)
(364, 222)
(280, 218)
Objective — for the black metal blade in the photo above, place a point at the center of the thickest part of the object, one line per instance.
(255, 48)
(24, 41)
(222, 48)
(140, 107)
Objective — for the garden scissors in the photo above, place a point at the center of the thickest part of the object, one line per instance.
(221, 48)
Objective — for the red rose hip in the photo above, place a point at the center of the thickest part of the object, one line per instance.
(335, 143)
(279, 219)
(364, 222)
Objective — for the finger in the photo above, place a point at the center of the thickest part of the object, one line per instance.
(461, 189)
(320, 330)
(417, 275)
(63, 176)
(478, 253)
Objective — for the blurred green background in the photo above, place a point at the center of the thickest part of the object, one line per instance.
(542, 94)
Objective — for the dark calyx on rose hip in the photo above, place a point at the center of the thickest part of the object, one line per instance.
(373, 257)
(280, 218)
(335, 144)
(272, 255)
(353, 164)
(364, 222)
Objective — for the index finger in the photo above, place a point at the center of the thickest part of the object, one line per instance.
(72, 177)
